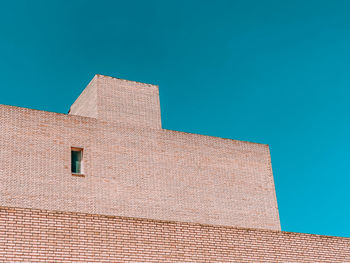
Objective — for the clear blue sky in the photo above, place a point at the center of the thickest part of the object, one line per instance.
(273, 72)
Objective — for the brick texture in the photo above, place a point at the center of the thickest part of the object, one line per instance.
(86, 104)
(133, 171)
(48, 236)
(146, 194)
(118, 100)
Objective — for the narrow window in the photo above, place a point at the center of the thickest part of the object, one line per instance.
(77, 158)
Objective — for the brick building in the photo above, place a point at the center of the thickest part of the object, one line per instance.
(106, 183)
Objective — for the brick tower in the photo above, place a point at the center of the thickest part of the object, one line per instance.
(106, 183)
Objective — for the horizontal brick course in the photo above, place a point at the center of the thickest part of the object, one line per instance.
(32, 235)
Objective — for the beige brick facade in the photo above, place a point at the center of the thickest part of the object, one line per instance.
(132, 168)
(118, 100)
(49, 236)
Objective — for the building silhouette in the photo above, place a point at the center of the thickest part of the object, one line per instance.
(105, 183)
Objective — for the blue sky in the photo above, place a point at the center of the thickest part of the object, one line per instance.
(273, 72)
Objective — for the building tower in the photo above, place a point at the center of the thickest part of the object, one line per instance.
(106, 183)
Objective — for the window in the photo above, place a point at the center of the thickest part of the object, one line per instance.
(77, 159)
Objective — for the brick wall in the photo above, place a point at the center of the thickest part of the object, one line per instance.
(133, 171)
(118, 100)
(86, 104)
(50, 236)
